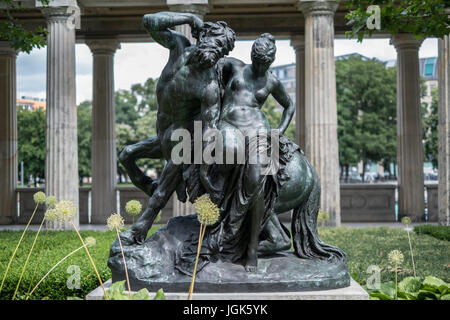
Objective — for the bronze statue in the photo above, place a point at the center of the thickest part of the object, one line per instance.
(199, 83)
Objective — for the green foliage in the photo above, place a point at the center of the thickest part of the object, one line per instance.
(57, 244)
(323, 217)
(13, 31)
(430, 128)
(31, 131)
(84, 113)
(438, 232)
(412, 288)
(371, 246)
(366, 104)
(274, 117)
(116, 292)
(421, 18)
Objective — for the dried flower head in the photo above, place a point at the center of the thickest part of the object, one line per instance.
(207, 211)
(115, 221)
(51, 201)
(51, 215)
(133, 207)
(395, 257)
(90, 241)
(66, 210)
(406, 220)
(39, 197)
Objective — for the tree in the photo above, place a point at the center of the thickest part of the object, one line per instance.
(366, 102)
(124, 136)
(146, 95)
(15, 33)
(430, 124)
(126, 107)
(31, 130)
(421, 18)
(84, 114)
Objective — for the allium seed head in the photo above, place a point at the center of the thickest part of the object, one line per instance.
(406, 220)
(51, 215)
(51, 201)
(66, 210)
(207, 211)
(133, 207)
(115, 221)
(395, 257)
(90, 241)
(39, 197)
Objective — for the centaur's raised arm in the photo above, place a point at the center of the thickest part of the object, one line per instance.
(159, 24)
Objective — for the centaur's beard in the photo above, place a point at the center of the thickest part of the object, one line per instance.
(206, 54)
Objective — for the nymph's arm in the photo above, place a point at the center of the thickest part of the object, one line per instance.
(281, 96)
(159, 24)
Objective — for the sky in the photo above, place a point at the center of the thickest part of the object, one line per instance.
(136, 62)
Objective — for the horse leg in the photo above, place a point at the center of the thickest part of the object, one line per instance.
(150, 148)
(275, 237)
(169, 180)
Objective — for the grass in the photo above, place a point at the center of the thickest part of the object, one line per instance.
(371, 246)
(364, 247)
(439, 232)
(60, 243)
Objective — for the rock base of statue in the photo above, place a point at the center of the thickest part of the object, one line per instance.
(152, 266)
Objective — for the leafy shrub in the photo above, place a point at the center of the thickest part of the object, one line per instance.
(412, 288)
(116, 292)
(439, 232)
(57, 245)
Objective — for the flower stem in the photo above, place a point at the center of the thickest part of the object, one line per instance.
(200, 237)
(17, 247)
(38, 260)
(53, 268)
(395, 281)
(28, 258)
(125, 264)
(412, 256)
(91, 260)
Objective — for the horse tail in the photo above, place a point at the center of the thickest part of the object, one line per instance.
(307, 243)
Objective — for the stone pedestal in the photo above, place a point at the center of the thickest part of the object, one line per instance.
(104, 159)
(444, 131)
(61, 167)
(8, 134)
(199, 8)
(298, 42)
(321, 143)
(409, 129)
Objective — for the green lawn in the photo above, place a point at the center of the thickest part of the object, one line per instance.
(364, 247)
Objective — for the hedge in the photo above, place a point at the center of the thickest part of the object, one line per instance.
(439, 232)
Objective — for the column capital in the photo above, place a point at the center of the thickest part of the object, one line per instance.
(62, 11)
(405, 41)
(298, 41)
(317, 7)
(7, 50)
(197, 7)
(103, 46)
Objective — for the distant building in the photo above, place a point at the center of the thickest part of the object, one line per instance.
(31, 103)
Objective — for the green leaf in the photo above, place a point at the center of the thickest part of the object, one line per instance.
(377, 295)
(388, 288)
(433, 281)
(160, 295)
(410, 284)
(115, 291)
(142, 294)
(445, 297)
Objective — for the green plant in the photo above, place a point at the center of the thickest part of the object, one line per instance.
(133, 208)
(323, 217)
(438, 232)
(412, 288)
(407, 222)
(116, 292)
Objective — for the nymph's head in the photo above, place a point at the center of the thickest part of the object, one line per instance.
(214, 41)
(263, 52)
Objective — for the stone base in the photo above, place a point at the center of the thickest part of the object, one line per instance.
(353, 292)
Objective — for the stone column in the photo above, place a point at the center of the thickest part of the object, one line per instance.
(321, 143)
(8, 134)
(298, 42)
(61, 167)
(199, 8)
(104, 159)
(409, 129)
(444, 131)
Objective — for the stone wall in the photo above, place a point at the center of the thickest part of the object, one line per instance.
(368, 202)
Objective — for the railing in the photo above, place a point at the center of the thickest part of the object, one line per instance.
(360, 202)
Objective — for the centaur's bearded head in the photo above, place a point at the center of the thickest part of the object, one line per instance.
(214, 41)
